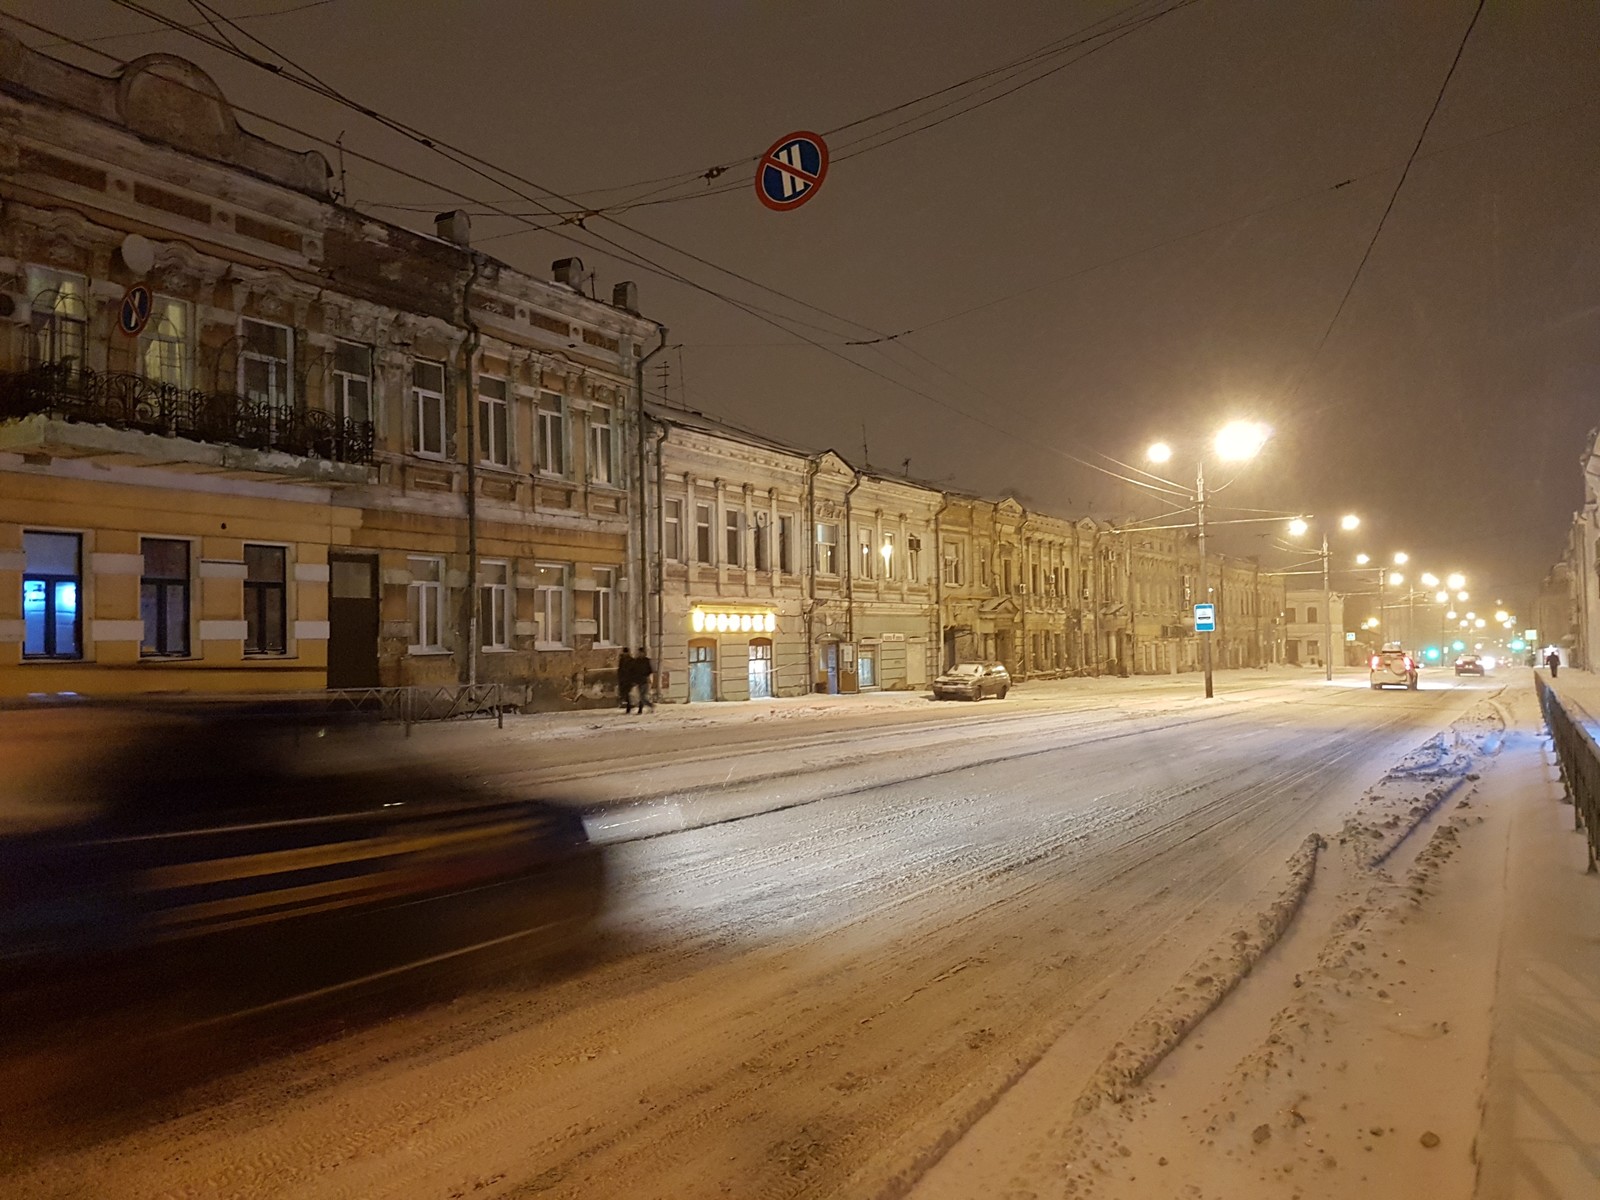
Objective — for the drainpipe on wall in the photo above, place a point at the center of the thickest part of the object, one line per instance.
(813, 462)
(938, 584)
(658, 581)
(849, 547)
(637, 634)
(471, 352)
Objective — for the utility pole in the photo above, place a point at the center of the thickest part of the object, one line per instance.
(1205, 585)
(1327, 614)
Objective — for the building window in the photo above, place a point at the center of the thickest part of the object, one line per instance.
(1311, 616)
(164, 344)
(60, 317)
(427, 408)
(266, 363)
(827, 549)
(266, 599)
(494, 423)
(551, 594)
(913, 559)
(1034, 570)
(864, 554)
(494, 605)
(952, 563)
(52, 580)
(786, 545)
(734, 542)
(761, 544)
(552, 434)
(352, 382)
(1289, 615)
(425, 603)
(602, 445)
(886, 551)
(983, 574)
(164, 597)
(672, 530)
(702, 533)
(605, 606)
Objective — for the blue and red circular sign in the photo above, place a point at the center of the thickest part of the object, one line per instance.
(792, 171)
(134, 314)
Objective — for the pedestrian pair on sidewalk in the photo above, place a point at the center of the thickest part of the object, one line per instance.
(634, 671)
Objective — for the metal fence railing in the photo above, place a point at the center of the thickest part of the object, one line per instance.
(1579, 756)
(409, 705)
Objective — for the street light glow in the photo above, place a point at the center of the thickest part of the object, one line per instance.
(1401, 558)
(1501, 615)
(1457, 581)
(1429, 579)
(1441, 597)
(1349, 521)
(1363, 559)
(1451, 615)
(1480, 622)
(1298, 527)
(1159, 452)
(1462, 596)
(1240, 440)
(1396, 579)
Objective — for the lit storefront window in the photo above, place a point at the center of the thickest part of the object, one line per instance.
(709, 620)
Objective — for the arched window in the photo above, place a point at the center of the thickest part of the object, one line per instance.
(60, 317)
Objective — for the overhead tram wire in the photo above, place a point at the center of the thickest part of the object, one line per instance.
(628, 256)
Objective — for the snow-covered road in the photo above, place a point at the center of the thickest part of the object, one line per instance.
(818, 999)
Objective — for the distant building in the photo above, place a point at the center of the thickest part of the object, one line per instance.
(1304, 632)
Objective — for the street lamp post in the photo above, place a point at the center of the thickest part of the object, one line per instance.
(1299, 526)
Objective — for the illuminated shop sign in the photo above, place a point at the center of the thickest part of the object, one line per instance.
(712, 620)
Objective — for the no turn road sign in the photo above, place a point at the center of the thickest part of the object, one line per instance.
(792, 171)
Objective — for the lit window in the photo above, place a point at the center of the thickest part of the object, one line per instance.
(827, 549)
(52, 581)
(164, 344)
(60, 317)
(551, 596)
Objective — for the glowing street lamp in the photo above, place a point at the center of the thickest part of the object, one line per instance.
(1501, 615)
(1159, 452)
(1441, 597)
(1401, 558)
(1363, 559)
(1462, 596)
(1429, 579)
(1396, 579)
(1456, 581)
(1238, 441)
(1349, 522)
(1298, 528)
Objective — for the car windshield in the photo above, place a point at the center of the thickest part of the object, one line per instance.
(971, 669)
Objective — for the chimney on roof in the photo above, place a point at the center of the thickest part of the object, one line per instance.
(625, 296)
(454, 226)
(568, 271)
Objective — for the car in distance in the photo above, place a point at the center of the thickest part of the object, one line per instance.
(1392, 666)
(972, 681)
(1470, 664)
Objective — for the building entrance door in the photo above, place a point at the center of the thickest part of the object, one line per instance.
(352, 621)
(761, 669)
(702, 670)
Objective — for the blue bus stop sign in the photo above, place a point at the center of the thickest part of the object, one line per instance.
(792, 171)
(1205, 618)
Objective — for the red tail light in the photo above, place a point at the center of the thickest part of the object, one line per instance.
(1376, 662)
(1409, 664)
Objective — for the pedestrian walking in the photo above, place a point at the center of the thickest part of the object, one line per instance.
(1553, 661)
(643, 672)
(627, 671)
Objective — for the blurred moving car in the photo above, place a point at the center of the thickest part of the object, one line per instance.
(972, 681)
(1392, 666)
(1470, 664)
(122, 829)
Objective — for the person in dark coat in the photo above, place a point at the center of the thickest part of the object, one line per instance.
(643, 672)
(1553, 661)
(627, 672)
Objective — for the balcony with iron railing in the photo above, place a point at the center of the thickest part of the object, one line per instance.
(55, 409)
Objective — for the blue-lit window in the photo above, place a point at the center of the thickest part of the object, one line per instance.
(51, 586)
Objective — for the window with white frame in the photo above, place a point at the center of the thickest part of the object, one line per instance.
(352, 382)
(552, 414)
(550, 593)
(786, 545)
(672, 530)
(605, 606)
(425, 603)
(266, 363)
(733, 521)
(427, 408)
(913, 559)
(863, 553)
(494, 604)
(827, 549)
(887, 552)
(60, 317)
(602, 445)
(494, 422)
(702, 533)
(164, 344)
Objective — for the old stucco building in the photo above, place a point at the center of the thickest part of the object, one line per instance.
(252, 439)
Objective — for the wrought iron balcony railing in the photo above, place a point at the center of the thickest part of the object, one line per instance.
(124, 401)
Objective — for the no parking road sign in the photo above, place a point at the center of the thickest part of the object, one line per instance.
(1205, 618)
(792, 171)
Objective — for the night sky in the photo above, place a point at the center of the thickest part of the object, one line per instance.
(1150, 240)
